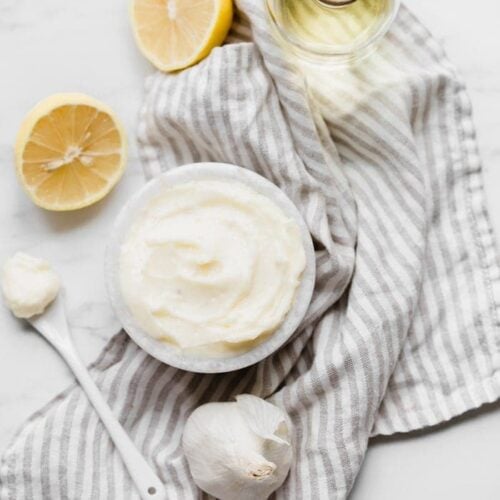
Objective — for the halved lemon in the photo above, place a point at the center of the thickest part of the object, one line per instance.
(70, 152)
(175, 34)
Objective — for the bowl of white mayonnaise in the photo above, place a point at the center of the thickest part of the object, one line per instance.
(210, 267)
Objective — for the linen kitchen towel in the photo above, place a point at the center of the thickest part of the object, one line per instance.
(403, 330)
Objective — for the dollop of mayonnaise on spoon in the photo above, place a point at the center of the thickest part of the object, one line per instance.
(29, 285)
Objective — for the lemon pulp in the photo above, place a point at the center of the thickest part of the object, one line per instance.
(174, 34)
(70, 152)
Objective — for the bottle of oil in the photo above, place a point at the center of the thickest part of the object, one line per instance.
(336, 31)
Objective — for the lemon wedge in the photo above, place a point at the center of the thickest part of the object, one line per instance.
(175, 34)
(70, 152)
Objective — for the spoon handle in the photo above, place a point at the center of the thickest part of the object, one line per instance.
(149, 485)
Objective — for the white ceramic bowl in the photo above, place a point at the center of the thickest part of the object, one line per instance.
(166, 352)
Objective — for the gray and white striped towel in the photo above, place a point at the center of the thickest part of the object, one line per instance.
(403, 331)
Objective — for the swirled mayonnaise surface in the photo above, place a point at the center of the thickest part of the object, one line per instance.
(29, 285)
(211, 262)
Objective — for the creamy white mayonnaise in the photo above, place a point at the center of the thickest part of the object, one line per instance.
(211, 262)
(29, 285)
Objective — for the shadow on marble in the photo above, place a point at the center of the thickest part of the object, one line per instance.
(63, 221)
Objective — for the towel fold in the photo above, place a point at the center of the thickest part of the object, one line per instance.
(403, 330)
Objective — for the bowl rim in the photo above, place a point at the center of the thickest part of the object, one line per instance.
(171, 355)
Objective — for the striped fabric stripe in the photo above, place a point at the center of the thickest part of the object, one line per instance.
(403, 330)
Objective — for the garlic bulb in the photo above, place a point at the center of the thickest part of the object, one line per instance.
(239, 450)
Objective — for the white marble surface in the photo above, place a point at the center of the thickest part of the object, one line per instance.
(56, 45)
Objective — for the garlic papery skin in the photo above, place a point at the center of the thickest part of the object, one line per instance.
(239, 450)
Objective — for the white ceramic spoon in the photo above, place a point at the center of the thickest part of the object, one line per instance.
(52, 324)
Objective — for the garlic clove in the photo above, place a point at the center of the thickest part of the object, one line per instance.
(265, 419)
(274, 426)
(233, 452)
